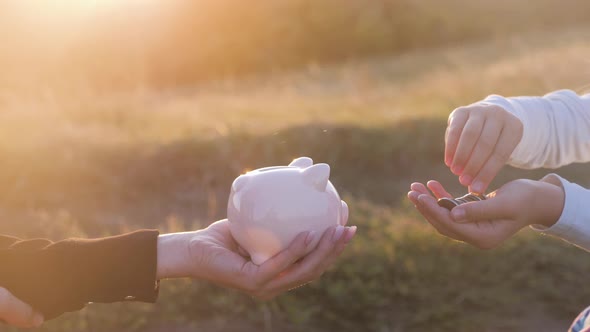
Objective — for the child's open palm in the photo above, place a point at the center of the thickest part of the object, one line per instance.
(486, 224)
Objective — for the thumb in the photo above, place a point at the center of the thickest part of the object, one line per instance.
(476, 211)
(17, 313)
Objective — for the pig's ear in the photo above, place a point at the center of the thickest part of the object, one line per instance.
(240, 183)
(318, 176)
(302, 162)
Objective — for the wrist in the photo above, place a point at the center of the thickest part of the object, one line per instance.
(550, 200)
(173, 258)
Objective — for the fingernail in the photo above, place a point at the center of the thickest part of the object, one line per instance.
(338, 233)
(477, 187)
(456, 170)
(350, 234)
(465, 180)
(458, 214)
(37, 320)
(310, 237)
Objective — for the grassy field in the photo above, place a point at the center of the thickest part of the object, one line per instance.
(87, 164)
(171, 43)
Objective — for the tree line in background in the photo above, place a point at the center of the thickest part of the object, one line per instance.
(186, 42)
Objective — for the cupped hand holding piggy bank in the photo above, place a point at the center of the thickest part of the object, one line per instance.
(268, 207)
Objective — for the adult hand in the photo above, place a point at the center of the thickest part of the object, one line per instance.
(212, 254)
(486, 224)
(17, 313)
(479, 141)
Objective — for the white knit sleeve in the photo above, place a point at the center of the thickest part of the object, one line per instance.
(574, 222)
(556, 128)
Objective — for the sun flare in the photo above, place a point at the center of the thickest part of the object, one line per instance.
(67, 9)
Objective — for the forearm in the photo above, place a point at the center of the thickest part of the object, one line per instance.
(63, 276)
(556, 128)
(173, 255)
(548, 203)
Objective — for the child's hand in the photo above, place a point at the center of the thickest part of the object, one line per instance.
(486, 224)
(212, 254)
(479, 141)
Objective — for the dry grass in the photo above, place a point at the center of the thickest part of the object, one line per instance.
(78, 161)
(380, 92)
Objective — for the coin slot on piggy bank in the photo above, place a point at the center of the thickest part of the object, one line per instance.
(269, 207)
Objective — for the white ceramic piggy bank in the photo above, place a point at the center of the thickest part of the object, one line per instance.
(268, 207)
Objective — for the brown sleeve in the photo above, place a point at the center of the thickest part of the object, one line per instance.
(64, 276)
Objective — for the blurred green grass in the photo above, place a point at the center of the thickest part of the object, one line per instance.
(398, 275)
(90, 164)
